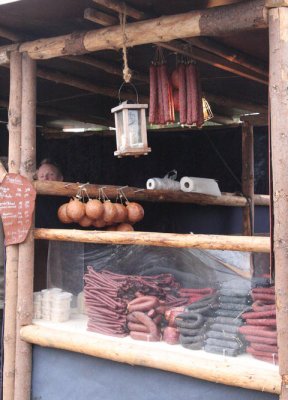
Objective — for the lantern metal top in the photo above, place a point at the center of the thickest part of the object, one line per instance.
(125, 105)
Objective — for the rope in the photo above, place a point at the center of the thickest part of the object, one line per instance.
(127, 73)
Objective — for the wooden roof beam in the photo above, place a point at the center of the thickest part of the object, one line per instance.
(215, 61)
(57, 113)
(231, 55)
(99, 17)
(209, 22)
(110, 68)
(121, 7)
(9, 35)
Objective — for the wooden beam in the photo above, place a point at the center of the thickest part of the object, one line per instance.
(212, 242)
(215, 61)
(99, 17)
(248, 178)
(237, 103)
(206, 57)
(110, 68)
(276, 3)
(208, 22)
(225, 120)
(11, 276)
(63, 78)
(10, 35)
(244, 371)
(23, 362)
(278, 49)
(58, 113)
(121, 8)
(256, 120)
(230, 54)
(70, 189)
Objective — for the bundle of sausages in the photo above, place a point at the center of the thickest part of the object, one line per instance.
(109, 297)
(188, 94)
(260, 329)
(161, 104)
(223, 337)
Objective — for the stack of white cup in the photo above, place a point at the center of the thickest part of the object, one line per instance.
(37, 304)
(60, 306)
(52, 305)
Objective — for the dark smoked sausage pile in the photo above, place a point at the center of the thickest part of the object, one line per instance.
(260, 329)
(223, 336)
(192, 322)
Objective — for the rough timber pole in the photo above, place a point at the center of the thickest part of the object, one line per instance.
(26, 249)
(278, 43)
(11, 278)
(248, 178)
(211, 22)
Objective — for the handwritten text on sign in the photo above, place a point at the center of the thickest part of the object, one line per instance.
(17, 203)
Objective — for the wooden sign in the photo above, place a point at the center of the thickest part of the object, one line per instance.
(17, 203)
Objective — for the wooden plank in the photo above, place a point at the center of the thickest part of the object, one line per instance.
(99, 17)
(70, 190)
(278, 48)
(209, 22)
(212, 242)
(241, 371)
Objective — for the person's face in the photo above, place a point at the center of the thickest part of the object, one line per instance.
(48, 172)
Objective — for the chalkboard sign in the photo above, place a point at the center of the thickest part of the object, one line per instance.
(17, 203)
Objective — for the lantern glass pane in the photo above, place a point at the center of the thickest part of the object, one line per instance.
(121, 140)
(134, 126)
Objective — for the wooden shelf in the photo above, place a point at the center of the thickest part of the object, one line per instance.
(137, 194)
(212, 242)
(242, 371)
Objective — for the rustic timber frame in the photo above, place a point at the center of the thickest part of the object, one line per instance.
(19, 332)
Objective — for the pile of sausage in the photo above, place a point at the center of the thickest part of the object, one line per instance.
(118, 304)
(161, 105)
(260, 329)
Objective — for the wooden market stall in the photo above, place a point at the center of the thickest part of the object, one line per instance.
(188, 33)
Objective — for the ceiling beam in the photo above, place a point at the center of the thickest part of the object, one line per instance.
(230, 54)
(110, 68)
(209, 22)
(121, 7)
(58, 113)
(225, 58)
(9, 35)
(99, 17)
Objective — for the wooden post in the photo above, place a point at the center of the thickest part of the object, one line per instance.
(248, 178)
(26, 249)
(11, 278)
(278, 44)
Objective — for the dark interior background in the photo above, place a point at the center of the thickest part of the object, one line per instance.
(207, 153)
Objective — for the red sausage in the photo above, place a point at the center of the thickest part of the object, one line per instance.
(147, 321)
(137, 327)
(182, 94)
(148, 337)
(165, 92)
(153, 95)
(160, 97)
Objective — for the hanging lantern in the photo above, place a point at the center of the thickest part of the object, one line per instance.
(131, 132)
